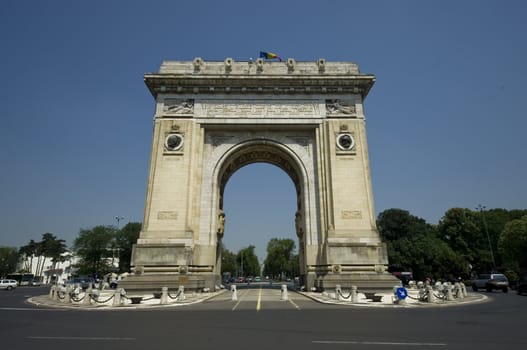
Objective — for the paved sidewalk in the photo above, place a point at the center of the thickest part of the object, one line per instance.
(387, 300)
(148, 302)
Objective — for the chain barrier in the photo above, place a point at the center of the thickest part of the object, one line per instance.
(151, 298)
(61, 297)
(177, 295)
(345, 297)
(77, 300)
(101, 302)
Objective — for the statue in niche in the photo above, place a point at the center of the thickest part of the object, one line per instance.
(336, 107)
(298, 225)
(184, 107)
(221, 223)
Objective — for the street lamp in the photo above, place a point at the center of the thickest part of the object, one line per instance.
(118, 218)
(481, 209)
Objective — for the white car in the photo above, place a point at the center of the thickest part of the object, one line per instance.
(8, 284)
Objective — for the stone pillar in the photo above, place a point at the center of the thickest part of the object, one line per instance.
(181, 293)
(354, 296)
(463, 289)
(430, 291)
(87, 296)
(67, 296)
(117, 297)
(52, 292)
(164, 296)
(284, 293)
(448, 292)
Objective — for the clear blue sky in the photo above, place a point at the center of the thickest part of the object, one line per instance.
(445, 121)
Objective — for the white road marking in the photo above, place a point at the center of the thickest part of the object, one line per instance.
(375, 343)
(80, 338)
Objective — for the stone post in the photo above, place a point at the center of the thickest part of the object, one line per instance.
(67, 296)
(284, 293)
(448, 292)
(463, 289)
(52, 292)
(338, 292)
(181, 293)
(354, 296)
(117, 297)
(234, 293)
(164, 296)
(431, 296)
(87, 296)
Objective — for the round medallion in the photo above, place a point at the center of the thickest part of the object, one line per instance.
(173, 142)
(345, 142)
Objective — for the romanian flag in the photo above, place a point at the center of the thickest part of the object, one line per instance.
(269, 55)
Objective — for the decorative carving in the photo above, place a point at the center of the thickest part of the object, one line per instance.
(221, 223)
(174, 142)
(167, 215)
(257, 109)
(336, 107)
(179, 106)
(298, 225)
(345, 142)
(351, 214)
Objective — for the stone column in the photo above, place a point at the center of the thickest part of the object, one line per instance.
(164, 296)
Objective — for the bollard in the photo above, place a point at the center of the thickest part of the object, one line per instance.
(164, 296)
(354, 295)
(67, 296)
(181, 293)
(448, 292)
(430, 293)
(234, 293)
(338, 292)
(117, 297)
(284, 293)
(52, 293)
(87, 296)
(463, 289)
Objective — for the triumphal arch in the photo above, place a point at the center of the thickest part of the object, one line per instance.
(211, 119)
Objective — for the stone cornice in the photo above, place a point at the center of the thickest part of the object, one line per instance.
(245, 78)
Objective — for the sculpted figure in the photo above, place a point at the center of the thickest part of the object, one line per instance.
(298, 225)
(185, 107)
(221, 223)
(335, 107)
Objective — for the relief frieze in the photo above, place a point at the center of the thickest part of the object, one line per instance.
(258, 109)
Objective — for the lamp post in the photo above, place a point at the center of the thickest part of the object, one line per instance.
(118, 218)
(481, 209)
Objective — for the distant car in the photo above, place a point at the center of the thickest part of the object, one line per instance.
(240, 280)
(257, 279)
(491, 281)
(35, 283)
(83, 282)
(522, 284)
(8, 284)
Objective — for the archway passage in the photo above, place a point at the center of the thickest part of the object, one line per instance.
(211, 119)
(248, 155)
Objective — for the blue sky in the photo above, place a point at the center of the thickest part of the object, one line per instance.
(444, 120)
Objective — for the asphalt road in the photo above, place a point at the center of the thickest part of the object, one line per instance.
(260, 320)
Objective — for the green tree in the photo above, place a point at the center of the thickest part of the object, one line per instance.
(27, 253)
(512, 245)
(280, 259)
(248, 262)
(53, 248)
(126, 238)
(8, 260)
(413, 245)
(228, 261)
(94, 249)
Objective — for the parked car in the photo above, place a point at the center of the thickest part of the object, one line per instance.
(35, 282)
(8, 284)
(522, 284)
(83, 282)
(491, 281)
(240, 280)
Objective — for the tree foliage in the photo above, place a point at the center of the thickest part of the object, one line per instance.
(413, 245)
(126, 238)
(228, 261)
(513, 245)
(248, 262)
(94, 248)
(280, 259)
(8, 260)
(48, 247)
